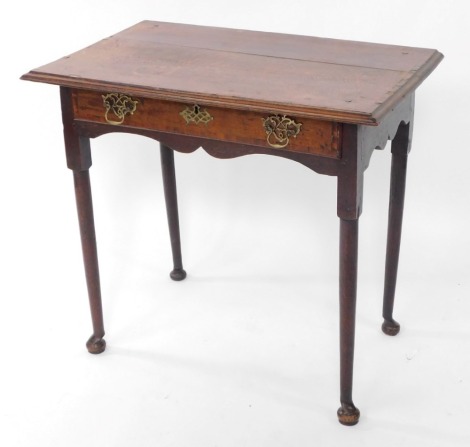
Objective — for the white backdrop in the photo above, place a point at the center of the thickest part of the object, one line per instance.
(245, 351)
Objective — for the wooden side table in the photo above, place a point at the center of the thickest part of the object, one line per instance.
(324, 103)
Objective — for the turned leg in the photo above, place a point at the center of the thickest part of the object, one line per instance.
(171, 200)
(400, 147)
(350, 186)
(348, 414)
(96, 344)
(78, 153)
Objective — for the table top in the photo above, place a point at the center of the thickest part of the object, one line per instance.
(337, 80)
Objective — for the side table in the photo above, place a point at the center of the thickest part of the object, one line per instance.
(324, 103)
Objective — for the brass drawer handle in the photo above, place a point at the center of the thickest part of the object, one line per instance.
(279, 129)
(119, 105)
(196, 114)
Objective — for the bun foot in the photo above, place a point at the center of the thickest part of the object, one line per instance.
(348, 414)
(177, 274)
(96, 345)
(390, 327)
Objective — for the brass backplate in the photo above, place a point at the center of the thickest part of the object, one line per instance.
(196, 114)
(279, 128)
(118, 105)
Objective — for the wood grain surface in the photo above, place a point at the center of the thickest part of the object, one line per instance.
(345, 81)
(315, 137)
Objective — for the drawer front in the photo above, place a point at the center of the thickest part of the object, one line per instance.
(239, 126)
